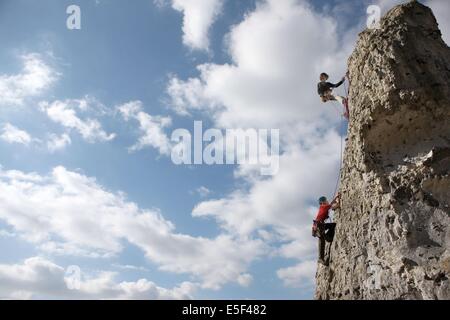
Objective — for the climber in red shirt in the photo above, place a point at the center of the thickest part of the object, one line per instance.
(324, 231)
(325, 207)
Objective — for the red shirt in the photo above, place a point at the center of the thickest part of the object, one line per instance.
(322, 215)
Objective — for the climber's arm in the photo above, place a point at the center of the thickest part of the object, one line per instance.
(335, 203)
(335, 85)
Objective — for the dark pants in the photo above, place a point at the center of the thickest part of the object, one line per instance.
(325, 233)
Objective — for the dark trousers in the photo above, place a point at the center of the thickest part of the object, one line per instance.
(325, 233)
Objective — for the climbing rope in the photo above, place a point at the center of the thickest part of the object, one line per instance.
(346, 90)
(340, 152)
(341, 133)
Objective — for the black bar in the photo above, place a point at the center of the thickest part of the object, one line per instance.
(223, 309)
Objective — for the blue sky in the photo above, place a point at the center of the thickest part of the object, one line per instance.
(138, 226)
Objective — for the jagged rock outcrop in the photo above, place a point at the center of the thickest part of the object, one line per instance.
(393, 229)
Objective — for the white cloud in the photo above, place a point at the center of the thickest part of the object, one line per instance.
(56, 142)
(66, 114)
(187, 95)
(36, 77)
(19, 175)
(6, 234)
(37, 277)
(300, 275)
(150, 126)
(129, 267)
(143, 289)
(198, 16)
(11, 134)
(272, 80)
(203, 191)
(282, 201)
(245, 279)
(67, 210)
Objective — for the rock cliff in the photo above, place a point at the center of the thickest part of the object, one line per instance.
(393, 229)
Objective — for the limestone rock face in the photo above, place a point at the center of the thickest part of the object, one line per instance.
(393, 229)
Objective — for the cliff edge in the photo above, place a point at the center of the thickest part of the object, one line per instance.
(393, 229)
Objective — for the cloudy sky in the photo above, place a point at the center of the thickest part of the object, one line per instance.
(87, 185)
